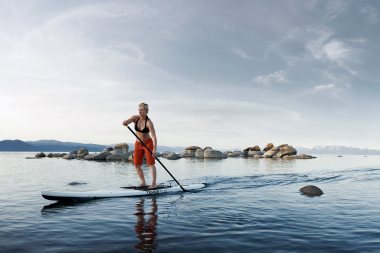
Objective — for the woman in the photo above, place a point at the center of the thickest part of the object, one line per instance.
(145, 131)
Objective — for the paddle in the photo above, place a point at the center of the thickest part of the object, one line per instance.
(183, 189)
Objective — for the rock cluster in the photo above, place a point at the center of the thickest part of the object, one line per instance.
(284, 151)
(120, 153)
(117, 153)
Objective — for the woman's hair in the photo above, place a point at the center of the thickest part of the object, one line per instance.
(145, 106)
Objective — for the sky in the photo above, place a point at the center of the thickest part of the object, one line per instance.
(225, 74)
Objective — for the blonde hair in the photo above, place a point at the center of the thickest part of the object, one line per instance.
(145, 106)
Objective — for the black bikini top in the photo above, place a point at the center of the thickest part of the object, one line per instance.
(145, 130)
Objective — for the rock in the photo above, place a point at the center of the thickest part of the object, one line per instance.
(189, 153)
(258, 156)
(199, 153)
(108, 149)
(208, 148)
(69, 156)
(268, 147)
(311, 190)
(122, 146)
(192, 148)
(97, 157)
(82, 152)
(130, 156)
(117, 156)
(252, 153)
(76, 183)
(40, 155)
(303, 156)
(213, 154)
(50, 155)
(284, 150)
(165, 153)
(173, 156)
(233, 154)
(270, 153)
(74, 152)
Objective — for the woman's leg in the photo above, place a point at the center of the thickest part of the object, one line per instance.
(153, 173)
(140, 173)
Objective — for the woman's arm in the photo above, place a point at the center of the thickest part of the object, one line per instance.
(133, 118)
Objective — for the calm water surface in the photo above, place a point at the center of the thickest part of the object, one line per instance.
(248, 206)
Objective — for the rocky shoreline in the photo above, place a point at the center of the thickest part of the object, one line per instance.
(120, 152)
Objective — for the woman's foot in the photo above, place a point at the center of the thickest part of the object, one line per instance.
(142, 185)
(153, 186)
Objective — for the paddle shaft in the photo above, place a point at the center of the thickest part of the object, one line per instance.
(183, 189)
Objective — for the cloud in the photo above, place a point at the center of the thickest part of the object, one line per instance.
(276, 77)
(325, 87)
(341, 53)
(242, 54)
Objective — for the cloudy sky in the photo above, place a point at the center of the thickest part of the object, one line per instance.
(226, 74)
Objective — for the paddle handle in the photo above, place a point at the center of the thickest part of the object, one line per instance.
(158, 160)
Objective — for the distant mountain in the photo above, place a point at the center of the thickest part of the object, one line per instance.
(15, 145)
(60, 146)
(54, 145)
(338, 150)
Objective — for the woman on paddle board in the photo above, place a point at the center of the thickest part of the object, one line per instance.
(145, 131)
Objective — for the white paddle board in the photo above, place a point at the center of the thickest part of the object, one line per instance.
(116, 193)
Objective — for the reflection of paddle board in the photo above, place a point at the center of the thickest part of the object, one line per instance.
(116, 193)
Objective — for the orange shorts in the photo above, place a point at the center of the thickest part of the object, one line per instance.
(139, 151)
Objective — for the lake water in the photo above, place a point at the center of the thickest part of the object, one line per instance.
(248, 206)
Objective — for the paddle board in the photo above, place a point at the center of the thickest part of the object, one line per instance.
(116, 193)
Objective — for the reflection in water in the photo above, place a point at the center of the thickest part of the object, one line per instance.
(146, 224)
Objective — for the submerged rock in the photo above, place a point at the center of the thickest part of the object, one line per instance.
(76, 183)
(311, 190)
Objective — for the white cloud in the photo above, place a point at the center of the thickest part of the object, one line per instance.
(336, 50)
(325, 87)
(276, 77)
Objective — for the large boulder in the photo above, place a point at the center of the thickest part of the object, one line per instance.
(270, 153)
(165, 153)
(97, 157)
(40, 155)
(122, 146)
(268, 147)
(311, 190)
(233, 154)
(284, 150)
(69, 156)
(304, 156)
(192, 148)
(107, 149)
(74, 152)
(213, 154)
(199, 153)
(251, 151)
(82, 152)
(118, 156)
(173, 156)
(189, 153)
